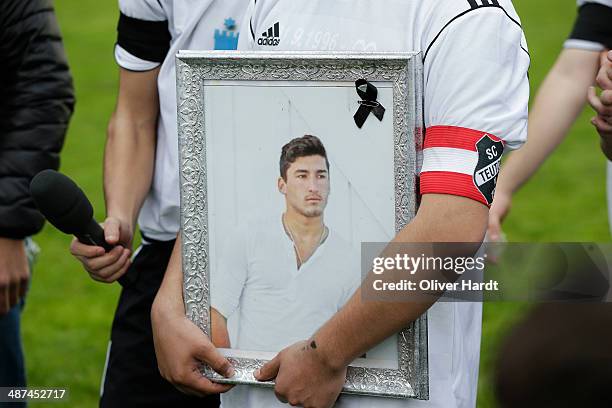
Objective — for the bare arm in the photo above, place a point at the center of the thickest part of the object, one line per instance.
(14, 273)
(302, 368)
(218, 329)
(441, 218)
(559, 101)
(180, 346)
(130, 145)
(130, 150)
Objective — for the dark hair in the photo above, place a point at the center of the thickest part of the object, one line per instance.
(307, 145)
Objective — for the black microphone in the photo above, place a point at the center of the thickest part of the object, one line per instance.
(66, 206)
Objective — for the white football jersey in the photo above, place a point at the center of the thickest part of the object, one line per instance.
(475, 71)
(476, 94)
(188, 24)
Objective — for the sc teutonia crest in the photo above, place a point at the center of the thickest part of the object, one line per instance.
(489, 159)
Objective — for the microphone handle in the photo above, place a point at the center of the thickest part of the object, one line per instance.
(94, 235)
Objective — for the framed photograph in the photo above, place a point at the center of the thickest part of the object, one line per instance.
(288, 163)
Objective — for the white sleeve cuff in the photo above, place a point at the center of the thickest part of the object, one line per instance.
(583, 45)
(128, 61)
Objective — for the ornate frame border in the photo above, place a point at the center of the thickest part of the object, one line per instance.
(404, 70)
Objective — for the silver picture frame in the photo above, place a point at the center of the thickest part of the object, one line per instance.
(404, 72)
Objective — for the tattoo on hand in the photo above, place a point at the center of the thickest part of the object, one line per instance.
(310, 346)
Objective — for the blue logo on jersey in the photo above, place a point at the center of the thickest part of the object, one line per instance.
(228, 38)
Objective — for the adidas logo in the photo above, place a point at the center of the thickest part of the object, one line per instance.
(270, 37)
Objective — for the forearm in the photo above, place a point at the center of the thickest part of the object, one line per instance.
(558, 103)
(343, 338)
(218, 329)
(129, 155)
(180, 346)
(169, 298)
(130, 150)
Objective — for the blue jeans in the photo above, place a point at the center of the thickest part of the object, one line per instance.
(12, 369)
(12, 365)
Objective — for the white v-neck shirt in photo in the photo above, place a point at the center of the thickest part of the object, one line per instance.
(257, 281)
(278, 303)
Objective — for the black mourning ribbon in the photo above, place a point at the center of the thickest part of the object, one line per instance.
(368, 103)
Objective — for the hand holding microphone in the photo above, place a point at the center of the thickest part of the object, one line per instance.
(105, 266)
(104, 252)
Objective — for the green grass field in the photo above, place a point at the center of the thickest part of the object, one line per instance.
(67, 320)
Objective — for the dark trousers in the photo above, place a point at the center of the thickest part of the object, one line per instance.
(132, 378)
(12, 369)
(12, 363)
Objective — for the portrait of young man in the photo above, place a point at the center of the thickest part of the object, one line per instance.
(283, 276)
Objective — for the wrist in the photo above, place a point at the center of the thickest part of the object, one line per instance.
(125, 220)
(13, 242)
(503, 191)
(161, 310)
(127, 224)
(123, 213)
(329, 358)
(168, 304)
(10, 247)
